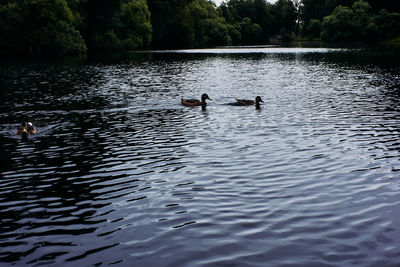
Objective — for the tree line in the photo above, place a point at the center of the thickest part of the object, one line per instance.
(349, 20)
(36, 27)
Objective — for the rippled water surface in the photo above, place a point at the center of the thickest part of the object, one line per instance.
(121, 174)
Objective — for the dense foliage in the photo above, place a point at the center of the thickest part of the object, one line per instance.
(118, 24)
(254, 21)
(75, 26)
(187, 23)
(38, 26)
(72, 26)
(347, 20)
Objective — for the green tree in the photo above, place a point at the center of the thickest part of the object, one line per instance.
(311, 9)
(350, 24)
(119, 25)
(314, 28)
(285, 16)
(263, 16)
(39, 27)
(133, 26)
(318, 9)
(391, 6)
(251, 32)
(172, 26)
(253, 15)
(363, 21)
(234, 33)
(210, 28)
(388, 24)
(339, 25)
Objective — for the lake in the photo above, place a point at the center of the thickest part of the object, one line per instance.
(121, 174)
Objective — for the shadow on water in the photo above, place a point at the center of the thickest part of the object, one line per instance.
(362, 57)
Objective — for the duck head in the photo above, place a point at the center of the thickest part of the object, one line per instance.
(258, 99)
(204, 97)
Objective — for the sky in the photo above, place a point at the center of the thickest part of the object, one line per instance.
(218, 2)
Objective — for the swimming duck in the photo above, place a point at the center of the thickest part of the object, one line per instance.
(195, 102)
(245, 102)
(25, 129)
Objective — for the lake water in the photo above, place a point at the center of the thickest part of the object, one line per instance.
(121, 174)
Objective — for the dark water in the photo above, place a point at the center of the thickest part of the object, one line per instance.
(121, 174)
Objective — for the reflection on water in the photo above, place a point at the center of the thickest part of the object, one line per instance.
(121, 173)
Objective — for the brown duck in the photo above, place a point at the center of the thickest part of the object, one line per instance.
(246, 102)
(195, 102)
(25, 129)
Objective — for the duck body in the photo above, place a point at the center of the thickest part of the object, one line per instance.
(245, 102)
(191, 102)
(195, 102)
(25, 129)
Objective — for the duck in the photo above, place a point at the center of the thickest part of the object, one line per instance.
(246, 102)
(25, 129)
(196, 102)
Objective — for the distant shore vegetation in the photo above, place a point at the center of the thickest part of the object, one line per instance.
(39, 27)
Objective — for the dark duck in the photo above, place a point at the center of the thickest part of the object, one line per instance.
(246, 102)
(196, 102)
